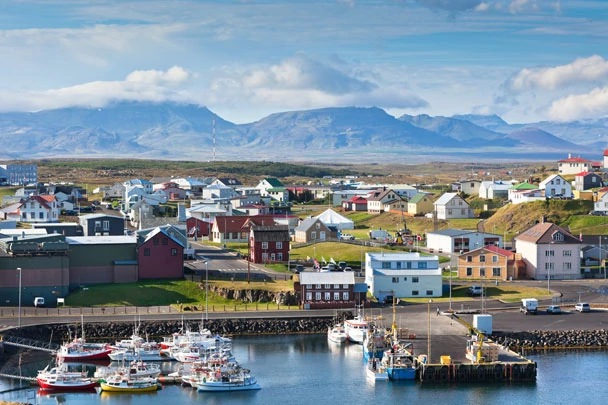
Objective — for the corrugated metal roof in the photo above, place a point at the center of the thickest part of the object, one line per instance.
(331, 277)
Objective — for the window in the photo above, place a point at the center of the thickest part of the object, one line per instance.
(482, 258)
(336, 286)
(336, 296)
(429, 292)
(549, 253)
(146, 251)
(345, 296)
(408, 265)
(386, 265)
(414, 279)
(313, 235)
(97, 224)
(549, 266)
(327, 296)
(494, 259)
(345, 286)
(422, 265)
(496, 272)
(482, 272)
(155, 241)
(318, 296)
(463, 212)
(106, 225)
(469, 272)
(308, 296)
(280, 256)
(264, 257)
(173, 252)
(318, 225)
(327, 286)
(318, 286)
(558, 237)
(398, 265)
(165, 241)
(279, 245)
(404, 278)
(567, 253)
(395, 280)
(264, 245)
(469, 259)
(414, 292)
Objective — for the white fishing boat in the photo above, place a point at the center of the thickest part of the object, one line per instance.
(61, 379)
(375, 371)
(135, 369)
(80, 350)
(357, 328)
(137, 353)
(337, 334)
(238, 379)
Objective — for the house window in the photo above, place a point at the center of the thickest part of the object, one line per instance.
(345, 286)
(264, 257)
(482, 272)
(327, 296)
(336, 296)
(327, 286)
(414, 279)
(469, 259)
(463, 211)
(279, 245)
(449, 212)
(318, 286)
(567, 266)
(429, 292)
(386, 265)
(165, 241)
(482, 258)
(422, 265)
(336, 286)
(549, 253)
(313, 235)
(558, 237)
(280, 256)
(32, 215)
(494, 259)
(146, 251)
(264, 245)
(345, 296)
(155, 241)
(414, 292)
(496, 272)
(318, 296)
(408, 265)
(395, 280)
(308, 296)
(469, 272)
(549, 266)
(567, 253)
(318, 225)
(398, 265)
(97, 224)
(404, 278)
(106, 225)
(173, 252)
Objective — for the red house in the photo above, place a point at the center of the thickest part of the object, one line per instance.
(198, 227)
(160, 254)
(357, 203)
(269, 243)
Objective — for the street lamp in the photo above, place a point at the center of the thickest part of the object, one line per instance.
(450, 270)
(207, 290)
(19, 270)
(429, 333)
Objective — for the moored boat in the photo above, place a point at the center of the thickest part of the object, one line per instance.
(337, 334)
(80, 350)
(400, 362)
(375, 371)
(118, 383)
(135, 369)
(238, 379)
(60, 379)
(376, 342)
(356, 328)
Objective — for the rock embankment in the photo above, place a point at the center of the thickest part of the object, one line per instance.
(95, 332)
(566, 339)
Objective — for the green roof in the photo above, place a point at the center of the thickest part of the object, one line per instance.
(274, 182)
(418, 197)
(524, 186)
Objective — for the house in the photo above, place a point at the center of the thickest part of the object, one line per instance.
(141, 211)
(269, 243)
(172, 191)
(403, 275)
(586, 180)
(420, 204)
(195, 186)
(339, 196)
(601, 205)
(487, 262)
(459, 240)
(218, 192)
(273, 188)
(102, 225)
(227, 182)
(18, 175)
(147, 186)
(526, 196)
(556, 185)
(573, 165)
(490, 190)
(398, 206)
(160, 253)
(451, 205)
(377, 198)
(245, 199)
(254, 209)
(39, 208)
(356, 203)
(523, 186)
(198, 228)
(469, 187)
(312, 229)
(230, 229)
(328, 290)
(549, 251)
(116, 190)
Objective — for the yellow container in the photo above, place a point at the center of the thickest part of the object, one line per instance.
(446, 360)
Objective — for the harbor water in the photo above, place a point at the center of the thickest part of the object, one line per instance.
(307, 369)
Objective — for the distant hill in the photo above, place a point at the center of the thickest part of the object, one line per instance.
(173, 131)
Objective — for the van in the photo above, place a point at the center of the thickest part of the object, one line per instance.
(582, 307)
(39, 302)
(529, 306)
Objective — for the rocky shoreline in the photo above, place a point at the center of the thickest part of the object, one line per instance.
(545, 340)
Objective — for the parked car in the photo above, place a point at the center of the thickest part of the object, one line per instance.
(298, 269)
(475, 290)
(582, 307)
(346, 236)
(39, 302)
(554, 309)
(348, 268)
(342, 265)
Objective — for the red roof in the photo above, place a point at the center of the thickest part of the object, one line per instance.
(500, 251)
(358, 199)
(606, 152)
(583, 174)
(575, 160)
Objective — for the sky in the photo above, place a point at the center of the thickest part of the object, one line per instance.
(525, 60)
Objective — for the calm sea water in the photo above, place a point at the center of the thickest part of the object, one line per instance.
(309, 370)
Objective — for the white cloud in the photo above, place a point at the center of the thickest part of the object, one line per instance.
(450, 5)
(590, 105)
(521, 6)
(482, 7)
(581, 70)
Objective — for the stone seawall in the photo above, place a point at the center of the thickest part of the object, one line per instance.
(540, 340)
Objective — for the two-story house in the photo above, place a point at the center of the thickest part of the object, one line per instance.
(487, 262)
(269, 243)
(556, 185)
(330, 290)
(160, 253)
(586, 180)
(377, 199)
(102, 225)
(39, 208)
(274, 189)
(574, 165)
(549, 251)
(451, 205)
(313, 229)
(420, 204)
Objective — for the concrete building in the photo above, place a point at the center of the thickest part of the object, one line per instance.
(456, 240)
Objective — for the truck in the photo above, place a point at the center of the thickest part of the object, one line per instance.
(529, 306)
(379, 234)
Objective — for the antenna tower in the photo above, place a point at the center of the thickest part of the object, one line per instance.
(214, 138)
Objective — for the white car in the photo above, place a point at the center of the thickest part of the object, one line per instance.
(346, 236)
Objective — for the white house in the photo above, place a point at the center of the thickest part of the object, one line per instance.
(459, 240)
(378, 198)
(218, 191)
(574, 165)
(40, 208)
(146, 185)
(525, 196)
(494, 189)
(403, 275)
(549, 251)
(470, 187)
(556, 184)
(451, 205)
(601, 205)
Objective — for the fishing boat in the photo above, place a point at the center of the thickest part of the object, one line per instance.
(356, 328)
(60, 379)
(120, 383)
(80, 350)
(375, 371)
(237, 379)
(137, 353)
(400, 363)
(376, 343)
(337, 334)
(135, 369)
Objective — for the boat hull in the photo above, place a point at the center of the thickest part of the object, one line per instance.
(377, 375)
(66, 385)
(397, 373)
(221, 386)
(105, 387)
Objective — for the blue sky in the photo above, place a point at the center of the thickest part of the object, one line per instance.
(525, 60)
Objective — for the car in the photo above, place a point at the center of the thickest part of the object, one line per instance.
(346, 236)
(475, 290)
(347, 268)
(39, 302)
(554, 309)
(582, 307)
(298, 269)
(342, 265)
(388, 300)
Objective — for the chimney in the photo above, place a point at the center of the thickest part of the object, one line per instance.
(569, 155)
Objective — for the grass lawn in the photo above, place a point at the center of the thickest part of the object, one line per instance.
(503, 291)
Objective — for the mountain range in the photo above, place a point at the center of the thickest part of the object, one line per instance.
(173, 131)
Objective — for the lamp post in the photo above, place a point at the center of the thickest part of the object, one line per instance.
(207, 290)
(450, 270)
(19, 271)
(429, 333)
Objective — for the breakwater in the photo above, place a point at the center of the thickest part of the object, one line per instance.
(546, 340)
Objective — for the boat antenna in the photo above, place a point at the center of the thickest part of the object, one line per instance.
(394, 325)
